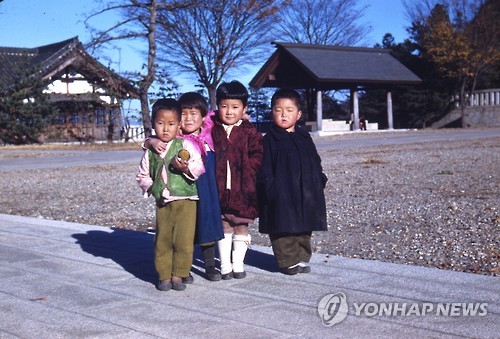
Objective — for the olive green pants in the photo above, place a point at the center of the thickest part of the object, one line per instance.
(290, 249)
(175, 225)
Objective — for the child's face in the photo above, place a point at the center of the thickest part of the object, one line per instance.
(286, 114)
(166, 125)
(231, 111)
(191, 121)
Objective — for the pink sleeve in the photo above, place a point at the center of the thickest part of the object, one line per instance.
(143, 178)
(206, 131)
(195, 162)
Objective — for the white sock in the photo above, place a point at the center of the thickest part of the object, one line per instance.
(225, 245)
(240, 245)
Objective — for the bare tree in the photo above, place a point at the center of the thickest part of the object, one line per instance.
(322, 22)
(212, 37)
(417, 11)
(138, 21)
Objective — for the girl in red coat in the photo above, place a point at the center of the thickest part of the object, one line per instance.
(238, 155)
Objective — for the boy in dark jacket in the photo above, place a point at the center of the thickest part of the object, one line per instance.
(290, 185)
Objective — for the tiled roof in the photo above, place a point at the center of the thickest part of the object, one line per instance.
(330, 67)
(52, 59)
(12, 59)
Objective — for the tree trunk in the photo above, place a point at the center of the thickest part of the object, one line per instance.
(212, 91)
(146, 119)
(148, 80)
(463, 101)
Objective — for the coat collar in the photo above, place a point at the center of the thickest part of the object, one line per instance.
(218, 122)
(280, 134)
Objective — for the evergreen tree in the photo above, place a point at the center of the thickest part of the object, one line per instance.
(259, 107)
(413, 106)
(24, 109)
(450, 56)
(463, 45)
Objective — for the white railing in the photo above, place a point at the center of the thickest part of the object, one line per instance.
(136, 132)
(485, 97)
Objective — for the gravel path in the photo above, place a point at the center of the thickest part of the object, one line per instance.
(431, 204)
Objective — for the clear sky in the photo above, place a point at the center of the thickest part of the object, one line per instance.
(32, 23)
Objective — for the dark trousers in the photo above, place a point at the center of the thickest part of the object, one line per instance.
(290, 248)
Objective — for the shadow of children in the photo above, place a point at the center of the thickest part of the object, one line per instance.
(257, 259)
(131, 250)
(134, 251)
(260, 260)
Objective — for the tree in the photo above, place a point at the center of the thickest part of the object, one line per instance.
(259, 103)
(24, 109)
(414, 106)
(139, 21)
(461, 38)
(323, 22)
(213, 37)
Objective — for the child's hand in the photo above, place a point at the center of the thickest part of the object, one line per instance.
(155, 145)
(179, 164)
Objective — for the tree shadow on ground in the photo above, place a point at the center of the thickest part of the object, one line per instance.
(134, 251)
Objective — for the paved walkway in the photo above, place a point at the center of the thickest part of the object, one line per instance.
(67, 280)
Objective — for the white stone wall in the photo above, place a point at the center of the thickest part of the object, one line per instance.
(76, 84)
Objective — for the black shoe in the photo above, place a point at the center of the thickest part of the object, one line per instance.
(227, 276)
(239, 275)
(212, 273)
(304, 268)
(291, 270)
(188, 280)
(165, 285)
(178, 286)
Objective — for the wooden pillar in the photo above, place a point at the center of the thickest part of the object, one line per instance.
(390, 121)
(319, 111)
(355, 109)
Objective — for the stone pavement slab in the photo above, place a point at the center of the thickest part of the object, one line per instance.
(68, 280)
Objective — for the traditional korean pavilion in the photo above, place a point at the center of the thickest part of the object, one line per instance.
(88, 95)
(317, 68)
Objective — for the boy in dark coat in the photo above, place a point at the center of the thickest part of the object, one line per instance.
(290, 185)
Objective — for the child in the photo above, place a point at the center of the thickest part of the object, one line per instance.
(238, 155)
(290, 184)
(196, 125)
(170, 178)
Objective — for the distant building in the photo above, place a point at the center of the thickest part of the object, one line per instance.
(318, 68)
(88, 95)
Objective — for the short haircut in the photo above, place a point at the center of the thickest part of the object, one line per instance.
(233, 90)
(287, 94)
(194, 100)
(166, 104)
